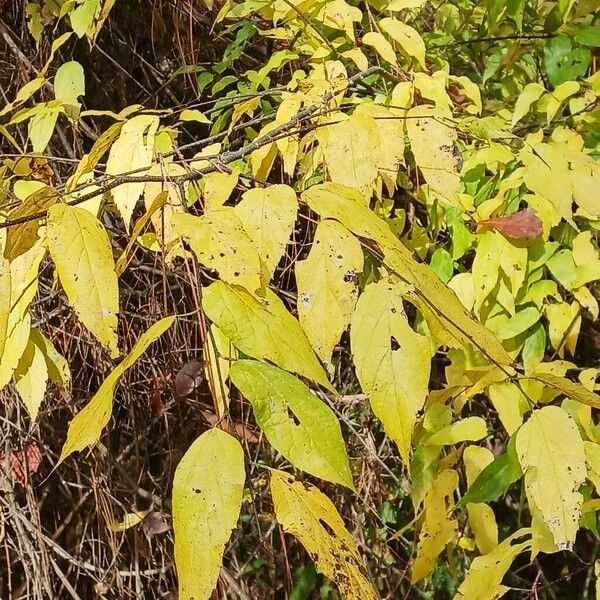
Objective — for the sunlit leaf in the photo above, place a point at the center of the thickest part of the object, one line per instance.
(552, 457)
(327, 282)
(207, 497)
(87, 425)
(262, 329)
(392, 361)
(297, 424)
(308, 515)
(81, 251)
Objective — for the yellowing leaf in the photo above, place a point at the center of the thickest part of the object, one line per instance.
(220, 242)
(132, 151)
(81, 251)
(452, 323)
(563, 386)
(31, 378)
(483, 581)
(327, 284)
(162, 219)
(564, 321)
(69, 84)
(469, 429)
(57, 365)
(297, 424)
(389, 156)
(207, 497)
(218, 353)
(308, 515)
(482, 522)
(531, 92)
(262, 329)
(381, 45)
(87, 425)
(433, 144)
(129, 520)
(392, 361)
(552, 457)
(438, 528)
(18, 284)
(406, 36)
(194, 115)
(350, 149)
(268, 216)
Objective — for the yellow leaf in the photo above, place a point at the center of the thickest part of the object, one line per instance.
(18, 286)
(308, 515)
(389, 156)
(132, 151)
(438, 528)
(586, 258)
(220, 242)
(476, 458)
(551, 454)
(482, 522)
(561, 385)
(173, 204)
(530, 94)
(31, 378)
(483, 581)
(469, 429)
(207, 497)
(129, 520)
(510, 403)
(268, 216)
(327, 284)
(453, 324)
(87, 425)
(564, 321)
(381, 45)
(81, 251)
(338, 14)
(392, 361)
(350, 149)
(406, 36)
(218, 353)
(57, 365)
(261, 159)
(194, 115)
(433, 87)
(432, 142)
(262, 329)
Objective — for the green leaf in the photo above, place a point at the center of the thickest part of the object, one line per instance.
(69, 84)
(262, 329)
(311, 517)
(297, 424)
(562, 62)
(392, 361)
(495, 479)
(81, 251)
(207, 497)
(589, 36)
(87, 425)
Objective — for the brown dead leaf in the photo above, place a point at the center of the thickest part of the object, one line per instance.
(190, 376)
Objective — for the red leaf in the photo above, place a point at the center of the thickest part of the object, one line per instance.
(523, 225)
(23, 463)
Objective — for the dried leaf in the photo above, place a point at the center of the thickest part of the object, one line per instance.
(522, 225)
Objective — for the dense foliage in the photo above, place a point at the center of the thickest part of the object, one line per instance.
(300, 298)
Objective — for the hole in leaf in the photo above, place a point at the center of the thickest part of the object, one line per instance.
(394, 343)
